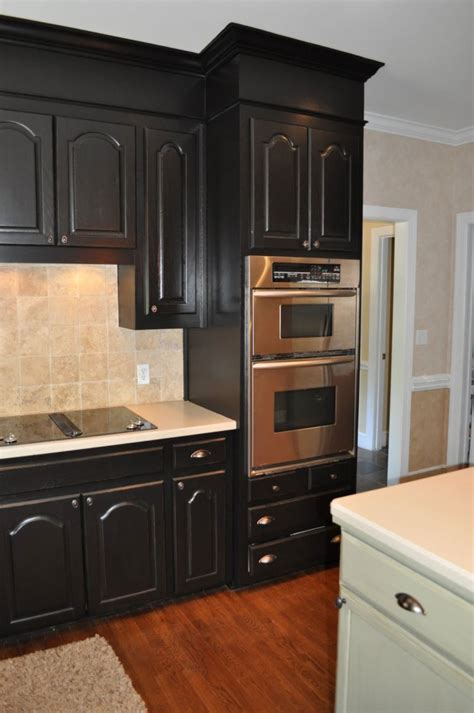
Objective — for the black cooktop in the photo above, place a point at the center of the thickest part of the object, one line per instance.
(36, 428)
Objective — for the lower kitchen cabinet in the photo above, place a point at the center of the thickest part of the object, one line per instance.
(124, 535)
(42, 572)
(199, 504)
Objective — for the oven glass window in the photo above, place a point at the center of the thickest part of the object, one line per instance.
(305, 408)
(310, 320)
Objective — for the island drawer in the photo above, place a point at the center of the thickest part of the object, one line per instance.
(446, 623)
(280, 485)
(307, 549)
(197, 454)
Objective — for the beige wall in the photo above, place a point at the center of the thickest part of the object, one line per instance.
(61, 346)
(437, 181)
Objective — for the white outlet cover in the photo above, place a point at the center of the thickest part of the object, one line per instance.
(421, 337)
(143, 373)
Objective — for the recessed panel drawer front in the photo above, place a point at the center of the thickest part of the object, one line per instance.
(447, 620)
(269, 521)
(336, 475)
(198, 454)
(273, 559)
(278, 486)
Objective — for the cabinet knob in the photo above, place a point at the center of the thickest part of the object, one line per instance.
(154, 309)
(201, 453)
(333, 476)
(180, 485)
(340, 601)
(275, 488)
(90, 501)
(306, 244)
(267, 559)
(50, 238)
(316, 244)
(75, 503)
(335, 540)
(405, 601)
(265, 520)
(64, 239)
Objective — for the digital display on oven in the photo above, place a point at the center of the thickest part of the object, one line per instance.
(306, 272)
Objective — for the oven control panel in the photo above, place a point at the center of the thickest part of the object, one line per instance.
(306, 272)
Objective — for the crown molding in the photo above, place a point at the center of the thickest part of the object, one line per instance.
(415, 130)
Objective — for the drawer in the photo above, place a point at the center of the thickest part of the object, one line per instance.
(281, 485)
(376, 577)
(269, 521)
(307, 549)
(199, 453)
(336, 475)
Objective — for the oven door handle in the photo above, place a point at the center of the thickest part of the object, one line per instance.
(297, 363)
(305, 293)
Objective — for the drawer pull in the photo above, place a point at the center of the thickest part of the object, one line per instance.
(335, 540)
(265, 520)
(333, 476)
(201, 453)
(267, 559)
(275, 488)
(405, 601)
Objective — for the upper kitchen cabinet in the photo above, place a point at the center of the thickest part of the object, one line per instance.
(278, 185)
(26, 179)
(336, 190)
(95, 183)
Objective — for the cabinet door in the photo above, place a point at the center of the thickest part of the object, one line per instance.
(95, 183)
(278, 185)
(125, 547)
(199, 531)
(26, 179)
(336, 191)
(172, 226)
(41, 564)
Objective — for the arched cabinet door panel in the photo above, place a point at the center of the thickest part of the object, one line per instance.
(41, 564)
(95, 183)
(278, 185)
(336, 190)
(199, 505)
(125, 547)
(26, 179)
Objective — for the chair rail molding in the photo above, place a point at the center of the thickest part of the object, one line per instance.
(431, 382)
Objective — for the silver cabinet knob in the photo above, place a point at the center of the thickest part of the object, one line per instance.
(306, 244)
(180, 485)
(201, 453)
(75, 503)
(333, 476)
(409, 603)
(316, 244)
(267, 559)
(154, 309)
(50, 238)
(265, 520)
(10, 439)
(90, 501)
(64, 239)
(275, 488)
(340, 601)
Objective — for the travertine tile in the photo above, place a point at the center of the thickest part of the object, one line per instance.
(121, 366)
(32, 309)
(8, 310)
(8, 281)
(9, 371)
(63, 280)
(122, 392)
(8, 340)
(94, 394)
(93, 367)
(93, 338)
(65, 397)
(121, 340)
(63, 309)
(170, 339)
(35, 399)
(9, 400)
(91, 280)
(32, 281)
(65, 369)
(33, 339)
(63, 339)
(147, 339)
(92, 309)
(154, 360)
(34, 370)
(147, 393)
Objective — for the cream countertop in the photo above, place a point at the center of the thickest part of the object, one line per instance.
(429, 522)
(174, 419)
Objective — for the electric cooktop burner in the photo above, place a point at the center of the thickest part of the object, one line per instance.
(70, 424)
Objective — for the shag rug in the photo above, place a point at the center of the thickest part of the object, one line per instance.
(75, 678)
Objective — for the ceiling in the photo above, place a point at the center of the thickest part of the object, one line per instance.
(427, 45)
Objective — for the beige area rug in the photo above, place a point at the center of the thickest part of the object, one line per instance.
(79, 677)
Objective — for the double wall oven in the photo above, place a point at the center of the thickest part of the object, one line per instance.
(302, 317)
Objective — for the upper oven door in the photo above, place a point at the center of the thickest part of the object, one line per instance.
(303, 321)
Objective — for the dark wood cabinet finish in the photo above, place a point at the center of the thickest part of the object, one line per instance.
(124, 535)
(278, 185)
(333, 476)
(278, 486)
(199, 517)
(95, 183)
(199, 454)
(336, 190)
(42, 580)
(26, 179)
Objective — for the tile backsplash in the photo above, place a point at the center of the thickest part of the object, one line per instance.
(61, 347)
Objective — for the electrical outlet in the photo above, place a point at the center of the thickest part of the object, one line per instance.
(421, 337)
(143, 373)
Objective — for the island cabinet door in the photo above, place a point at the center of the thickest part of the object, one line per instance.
(199, 504)
(26, 178)
(41, 564)
(125, 547)
(95, 183)
(336, 191)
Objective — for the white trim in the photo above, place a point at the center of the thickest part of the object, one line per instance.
(415, 130)
(364, 365)
(430, 382)
(405, 221)
(427, 470)
(363, 441)
(460, 343)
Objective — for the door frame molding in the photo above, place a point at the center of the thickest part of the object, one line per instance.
(460, 339)
(404, 286)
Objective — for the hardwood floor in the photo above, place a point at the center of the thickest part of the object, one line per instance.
(266, 649)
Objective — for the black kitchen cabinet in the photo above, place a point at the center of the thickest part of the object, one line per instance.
(26, 178)
(336, 190)
(124, 535)
(199, 516)
(95, 183)
(42, 572)
(278, 185)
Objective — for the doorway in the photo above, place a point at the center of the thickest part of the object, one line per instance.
(375, 352)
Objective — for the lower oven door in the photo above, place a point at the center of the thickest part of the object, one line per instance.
(302, 410)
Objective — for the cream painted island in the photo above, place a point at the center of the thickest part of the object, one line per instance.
(405, 641)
